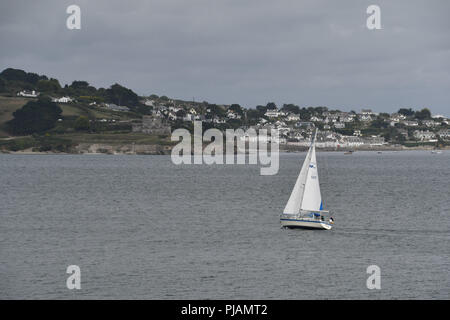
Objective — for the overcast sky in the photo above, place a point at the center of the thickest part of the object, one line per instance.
(311, 53)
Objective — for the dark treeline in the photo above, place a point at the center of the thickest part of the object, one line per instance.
(14, 80)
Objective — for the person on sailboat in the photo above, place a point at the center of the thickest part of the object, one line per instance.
(331, 220)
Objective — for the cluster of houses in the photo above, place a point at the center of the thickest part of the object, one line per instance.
(290, 126)
(430, 136)
(293, 129)
(331, 139)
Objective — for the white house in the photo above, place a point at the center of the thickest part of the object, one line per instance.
(351, 141)
(262, 121)
(333, 117)
(62, 100)
(28, 94)
(431, 123)
(410, 123)
(365, 117)
(374, 141)
(189, 117)
(397, 117)
(174, 109)
(149, 103)
(444, 134)
(367, 112)
(272, 113)
(315, 119)
(424, 135)
(347, 118)
(219, 120)
(233, 115)
(172, 116)
(293, 117)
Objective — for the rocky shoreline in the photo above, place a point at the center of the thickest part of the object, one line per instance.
(145, 149)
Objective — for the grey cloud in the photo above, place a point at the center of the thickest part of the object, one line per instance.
(249, 52)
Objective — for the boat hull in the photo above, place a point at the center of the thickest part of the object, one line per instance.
(305, 224)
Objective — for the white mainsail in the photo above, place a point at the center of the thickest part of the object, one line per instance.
(312, 199)
(306, 192)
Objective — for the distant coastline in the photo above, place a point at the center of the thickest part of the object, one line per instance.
(130, 149)
(39, 115)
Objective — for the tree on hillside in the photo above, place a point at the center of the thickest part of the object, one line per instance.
(261, 110)
(122, 96)
(271, 106)
(305, 113)
(82, 88)
(252, 115)
(236, 109)
(11, 74)
(181, 113)
(14, 80)
(2, 85)
(423, 114)
(292, 108)
(321, 110)
(406, 112)
(82, 123)
(379, 123)
(216, 110)
(79, 85)
(35, 116)
(49, 86)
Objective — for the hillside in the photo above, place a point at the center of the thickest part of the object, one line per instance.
(84, 115)
(112, 129)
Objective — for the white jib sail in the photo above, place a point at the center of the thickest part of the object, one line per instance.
(295, 200)
(306, 192)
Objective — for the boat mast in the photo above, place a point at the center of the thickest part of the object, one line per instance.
(310, 152)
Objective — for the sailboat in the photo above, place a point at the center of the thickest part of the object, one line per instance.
(305, 208)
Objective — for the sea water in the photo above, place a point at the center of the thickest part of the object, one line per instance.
(140, 227)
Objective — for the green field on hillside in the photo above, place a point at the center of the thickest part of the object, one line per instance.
(10, 104)
(117, 138)
(71, 111)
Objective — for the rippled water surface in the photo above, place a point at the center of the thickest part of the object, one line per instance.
(140, 227)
